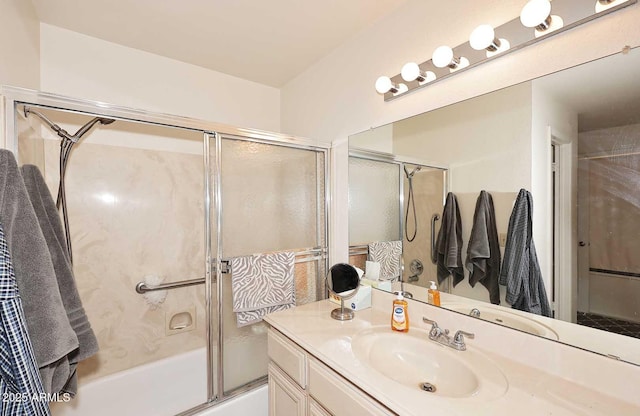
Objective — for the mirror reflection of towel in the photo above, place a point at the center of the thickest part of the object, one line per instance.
(449, 243)
(387, 253)
(520, 269)
(483, 251)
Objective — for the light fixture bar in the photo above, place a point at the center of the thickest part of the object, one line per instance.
(573, 13)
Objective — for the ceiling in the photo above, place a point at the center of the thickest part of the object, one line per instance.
(269, 42)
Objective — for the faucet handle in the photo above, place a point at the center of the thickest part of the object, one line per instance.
(458, 339)
(475, 312)
(435, 329)
(429, 321)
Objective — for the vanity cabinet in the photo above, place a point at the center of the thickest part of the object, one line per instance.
(299, 384)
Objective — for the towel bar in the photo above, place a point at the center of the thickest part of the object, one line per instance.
(142, 287)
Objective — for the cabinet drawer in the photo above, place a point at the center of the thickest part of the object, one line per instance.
(339, 397)
(285, 397)
(316, 410)
(290, 358)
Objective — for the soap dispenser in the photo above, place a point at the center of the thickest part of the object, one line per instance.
(433, 294)
(400, 315)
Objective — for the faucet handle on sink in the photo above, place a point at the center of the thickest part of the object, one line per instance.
(435, 329)
(458, 339)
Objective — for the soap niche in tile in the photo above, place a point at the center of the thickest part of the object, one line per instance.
(180, 320)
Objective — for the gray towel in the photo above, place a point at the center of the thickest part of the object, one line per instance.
(483, 251)
(520, 269)
(51, 227)
(449, 243)
(262, 284)
(387, 253)
(50, 332)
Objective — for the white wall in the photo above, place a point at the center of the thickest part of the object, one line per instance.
(377, 140)
(80, 66)
(19, 44)
(478, 140)
(336, 97)
(550, 116)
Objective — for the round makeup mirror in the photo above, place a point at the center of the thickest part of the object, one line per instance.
(343, 281)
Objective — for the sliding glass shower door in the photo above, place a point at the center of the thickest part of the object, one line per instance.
(271, 198)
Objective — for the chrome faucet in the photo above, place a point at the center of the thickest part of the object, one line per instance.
(441, 336)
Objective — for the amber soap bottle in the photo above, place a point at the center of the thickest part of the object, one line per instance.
(400, 315)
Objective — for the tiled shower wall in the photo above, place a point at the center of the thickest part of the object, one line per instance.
(133, 212)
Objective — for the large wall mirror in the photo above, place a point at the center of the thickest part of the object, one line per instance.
(572, 139)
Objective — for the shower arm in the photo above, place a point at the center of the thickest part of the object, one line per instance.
(59, 130)
(62, 132)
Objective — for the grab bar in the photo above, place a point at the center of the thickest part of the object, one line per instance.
(142, 288)
(358, 250)
(434, 258)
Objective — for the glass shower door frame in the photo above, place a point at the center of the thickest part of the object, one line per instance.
(215, 250)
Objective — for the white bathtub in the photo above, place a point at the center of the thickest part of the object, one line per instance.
(162, 388)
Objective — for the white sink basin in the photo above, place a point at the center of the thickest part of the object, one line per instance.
(503, 317)
(411, 360)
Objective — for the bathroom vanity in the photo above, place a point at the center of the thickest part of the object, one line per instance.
(321, 366)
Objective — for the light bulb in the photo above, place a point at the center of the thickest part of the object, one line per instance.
(410, 71)
(536, 13)
(443, 57)
(484, 37)
(384, 85)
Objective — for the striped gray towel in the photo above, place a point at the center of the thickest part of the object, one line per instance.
(261, 284)
(449, 243)
(483, 251)
(520, 269)
(387, 253)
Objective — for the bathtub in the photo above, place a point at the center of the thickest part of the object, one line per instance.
(162, 388)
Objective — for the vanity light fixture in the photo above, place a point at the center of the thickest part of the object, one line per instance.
(484, 37)
(411, 72)
(443, 57)
(486, 42)
(602, 5)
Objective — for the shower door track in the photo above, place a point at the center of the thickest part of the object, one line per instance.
(11, 97)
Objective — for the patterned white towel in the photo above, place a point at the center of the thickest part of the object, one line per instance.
(262, 284)
(387, 253)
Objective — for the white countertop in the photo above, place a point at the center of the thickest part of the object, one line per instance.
(530, 391)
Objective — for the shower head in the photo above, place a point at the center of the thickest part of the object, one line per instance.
(84, 129)
(410, 175)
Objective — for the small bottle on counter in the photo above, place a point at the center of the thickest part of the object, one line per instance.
(433, 295)
(400, 315)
